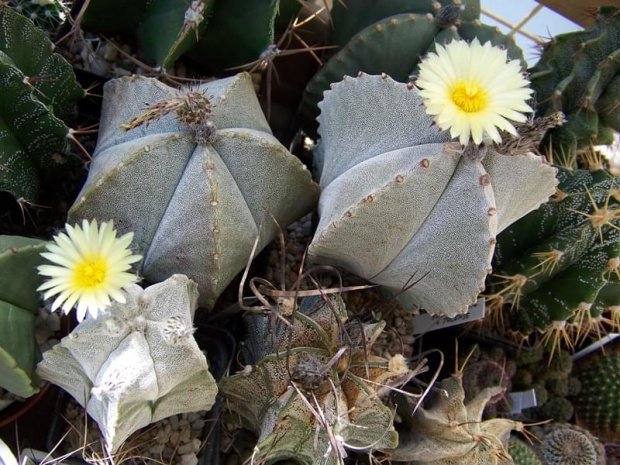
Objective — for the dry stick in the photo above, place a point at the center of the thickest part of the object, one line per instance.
(75, 25)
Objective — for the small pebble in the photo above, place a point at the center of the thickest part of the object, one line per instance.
(189, 459)
(185, 449)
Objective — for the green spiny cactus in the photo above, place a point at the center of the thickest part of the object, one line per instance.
(597, 407)
(47, 15)
(553, 382)
(551, 265)
(521, 453)
(219, 34)
(391, 36)
(192, 177)
(136, 364)
(449, 430)
(36, 87)
(579, 74)
(19, 305)
(318, 391)
(383, 168)
(568, 446)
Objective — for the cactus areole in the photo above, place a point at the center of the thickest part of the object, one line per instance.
(193, 175)
(401, 202)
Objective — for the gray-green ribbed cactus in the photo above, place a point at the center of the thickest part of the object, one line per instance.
(137, 363)
(193, 195)
(326, 385)
(19, 305)
(449, 431)
(399, 199)
(37, 89)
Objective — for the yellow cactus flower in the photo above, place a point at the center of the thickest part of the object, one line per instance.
(471, 89)
(90, 267)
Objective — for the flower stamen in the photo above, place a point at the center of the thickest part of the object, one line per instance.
(469, 96)
(90, 273)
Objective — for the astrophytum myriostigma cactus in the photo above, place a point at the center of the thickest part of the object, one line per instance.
(193, 184)
(137, 363)
(401, 202)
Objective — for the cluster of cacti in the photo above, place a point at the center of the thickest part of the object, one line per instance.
(194, 198)
(448, 430)
(19, 305)
(384, 168)
(552, 380)
(317, 392)
(136, 364)
(47, 15)
(579, 74)
(556, 270)
(218, 34)
(197, 179)
(597, 407)
(486, 367)
(38, 89)
(392, 36)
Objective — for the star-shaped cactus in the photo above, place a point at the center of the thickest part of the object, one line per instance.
(449, 431)
(136, 364)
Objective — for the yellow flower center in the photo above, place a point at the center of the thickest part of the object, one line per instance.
(90, 273)
(469, 96)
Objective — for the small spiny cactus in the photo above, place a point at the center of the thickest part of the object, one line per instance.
(317, 393)
(47, 15)
(597, 407)
(569, 446)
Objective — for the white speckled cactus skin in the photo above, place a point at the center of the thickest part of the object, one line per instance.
(195, 209)
(398, 198)
(137, 363)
